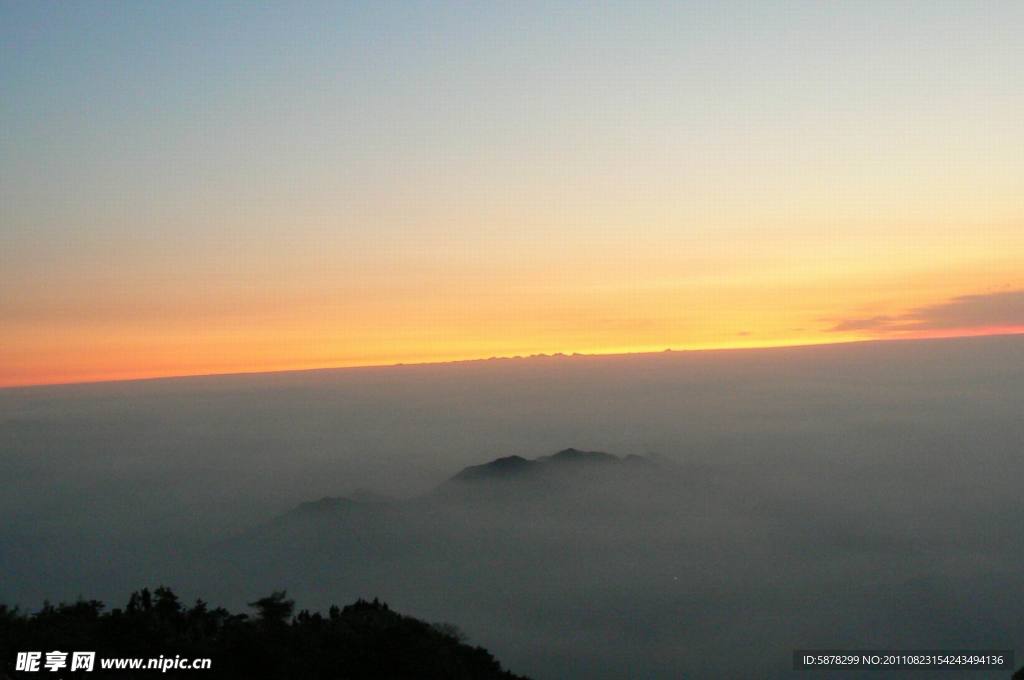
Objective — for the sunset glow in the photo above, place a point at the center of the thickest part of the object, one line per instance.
(373, 185)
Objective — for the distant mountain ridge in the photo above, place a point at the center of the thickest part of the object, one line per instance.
(552, 467)
(514, 466)
(497, 468)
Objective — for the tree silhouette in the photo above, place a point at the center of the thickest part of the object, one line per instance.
(365, 639)
(274, 609)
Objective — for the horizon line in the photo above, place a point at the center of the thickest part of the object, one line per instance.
(510, 357)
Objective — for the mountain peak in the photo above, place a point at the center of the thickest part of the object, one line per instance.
(510, 467)
(497, 468)
(576, 455)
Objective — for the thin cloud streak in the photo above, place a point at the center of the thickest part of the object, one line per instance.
(1002, 310)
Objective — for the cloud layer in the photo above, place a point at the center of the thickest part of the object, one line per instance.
(1003, 310)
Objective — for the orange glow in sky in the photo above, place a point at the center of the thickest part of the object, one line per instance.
(349, 188)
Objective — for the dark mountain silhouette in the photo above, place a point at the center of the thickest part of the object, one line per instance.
(517, 467)
(361, 640)
(499, 468)
(539, 476)
(575, 456)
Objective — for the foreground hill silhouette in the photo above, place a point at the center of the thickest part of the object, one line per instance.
(361, 640)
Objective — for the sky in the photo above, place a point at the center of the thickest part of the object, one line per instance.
(191, 188)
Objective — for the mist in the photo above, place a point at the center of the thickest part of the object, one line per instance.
(843, 496)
